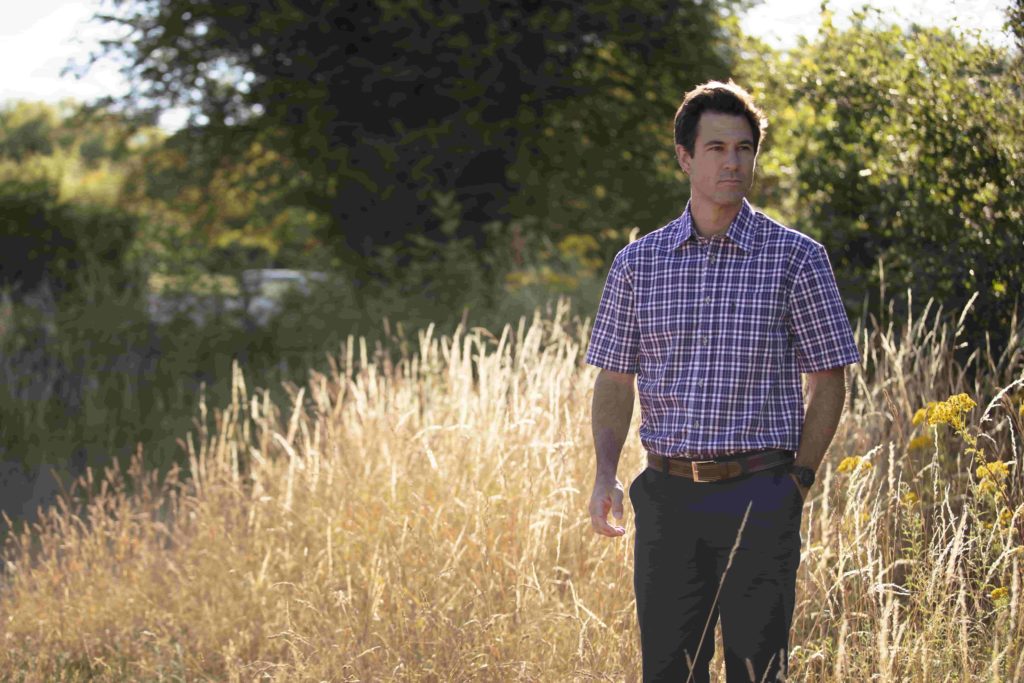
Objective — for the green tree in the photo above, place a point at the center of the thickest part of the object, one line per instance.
(1015, 23)
(62, 170)
(903, 146)
(27, 129)
(240, 202)
(385, 105)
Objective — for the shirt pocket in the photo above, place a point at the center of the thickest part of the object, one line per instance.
(753, 332)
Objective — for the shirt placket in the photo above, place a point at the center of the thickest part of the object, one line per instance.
(699, 418)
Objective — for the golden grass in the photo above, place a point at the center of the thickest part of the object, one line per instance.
(424, 519)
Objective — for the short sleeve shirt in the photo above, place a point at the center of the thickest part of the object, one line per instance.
(718, 331)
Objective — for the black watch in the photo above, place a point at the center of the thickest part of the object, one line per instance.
(804, 475)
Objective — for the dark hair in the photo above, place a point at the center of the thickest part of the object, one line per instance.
(725, 98)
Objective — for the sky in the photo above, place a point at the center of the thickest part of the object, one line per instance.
(780, 22)
(39, 38)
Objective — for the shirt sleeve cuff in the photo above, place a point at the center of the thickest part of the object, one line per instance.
(850, 357)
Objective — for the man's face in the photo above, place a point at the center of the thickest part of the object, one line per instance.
(721, 168)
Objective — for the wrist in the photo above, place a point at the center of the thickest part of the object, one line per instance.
(805, 476)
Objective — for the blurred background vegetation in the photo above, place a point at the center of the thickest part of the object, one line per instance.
(454, 162)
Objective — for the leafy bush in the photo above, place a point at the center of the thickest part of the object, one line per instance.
(902, 147)
(43, 237)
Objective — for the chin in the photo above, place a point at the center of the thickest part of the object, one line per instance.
(731, 198)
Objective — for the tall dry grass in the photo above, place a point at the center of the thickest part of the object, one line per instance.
(424, 518)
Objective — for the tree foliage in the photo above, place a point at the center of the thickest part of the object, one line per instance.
(1015, 23)
(62, 170)
(905, 147)
(386, 105)
(239, 203)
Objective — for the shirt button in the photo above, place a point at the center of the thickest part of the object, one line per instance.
(696, 423)
(700, 384)
(711, 259)
(707, 299)
(704, 341)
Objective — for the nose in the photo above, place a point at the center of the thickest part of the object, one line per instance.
(732, 158)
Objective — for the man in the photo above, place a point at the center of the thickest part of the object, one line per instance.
(716, 315)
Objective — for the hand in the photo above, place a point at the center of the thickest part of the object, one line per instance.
(606, 496)
(803, 491)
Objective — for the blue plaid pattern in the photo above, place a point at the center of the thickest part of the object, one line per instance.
(718, 331)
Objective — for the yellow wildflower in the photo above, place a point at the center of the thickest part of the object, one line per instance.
(922, 413)
(999, 593)
(950, 411)
(1005, 516)
(988, 486)
(909, 499)
(962, 402)
(996, 469)
(854, 463)
(919, 443)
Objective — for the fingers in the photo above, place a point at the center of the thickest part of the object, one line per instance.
(602, 527)
(599, 507)
(617, 504)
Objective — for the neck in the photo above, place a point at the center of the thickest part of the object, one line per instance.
(712, 219)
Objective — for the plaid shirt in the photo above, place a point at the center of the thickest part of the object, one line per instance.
(718, 331)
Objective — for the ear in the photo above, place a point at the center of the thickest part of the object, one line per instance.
(684, 159)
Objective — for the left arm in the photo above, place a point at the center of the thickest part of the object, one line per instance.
(826, 395)
(824, 346)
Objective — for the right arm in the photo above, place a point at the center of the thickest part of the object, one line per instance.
(611, 414)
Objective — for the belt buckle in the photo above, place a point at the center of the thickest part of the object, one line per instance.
(708, 467)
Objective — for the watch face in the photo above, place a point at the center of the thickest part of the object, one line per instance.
(805, 475)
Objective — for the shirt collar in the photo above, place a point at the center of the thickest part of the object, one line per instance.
(742, 230)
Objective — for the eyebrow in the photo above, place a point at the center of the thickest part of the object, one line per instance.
(721, 142)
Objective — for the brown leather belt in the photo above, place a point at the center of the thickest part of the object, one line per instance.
(727, 467)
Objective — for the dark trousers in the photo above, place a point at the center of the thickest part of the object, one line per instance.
(685, 532)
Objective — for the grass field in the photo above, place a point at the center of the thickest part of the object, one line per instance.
(422, 516)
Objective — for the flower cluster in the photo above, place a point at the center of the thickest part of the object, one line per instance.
(1004, 519)
(993, 470)
(951, 411)
(854, 463)
(922, 413)
(991, 476)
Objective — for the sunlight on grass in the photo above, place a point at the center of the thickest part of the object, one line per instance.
(425, 519)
